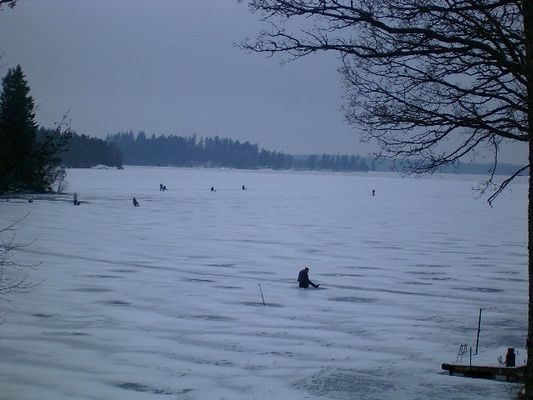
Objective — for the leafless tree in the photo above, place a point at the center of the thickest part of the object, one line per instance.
(8, 3)
(430, 81)
(14, 277)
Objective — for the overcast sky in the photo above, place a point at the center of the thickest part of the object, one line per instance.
(171, 66)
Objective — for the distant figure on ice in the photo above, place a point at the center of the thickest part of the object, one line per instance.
(373, 192)
(135, 202)
(213, 189)
(76, 202)
(243, 187)
(510, 358)
(160, 187)
(303, 279)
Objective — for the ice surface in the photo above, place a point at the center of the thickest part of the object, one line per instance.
(162, 300)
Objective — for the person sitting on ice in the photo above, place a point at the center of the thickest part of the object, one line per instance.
(135, 202)
(303, 279)
(510, 358)
(213, 189)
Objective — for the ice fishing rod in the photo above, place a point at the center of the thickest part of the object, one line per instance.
(478, 330)
(261, 291)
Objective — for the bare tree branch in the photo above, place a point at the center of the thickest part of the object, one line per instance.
(501, 187)
(8, 3)
(419, 75)
(429, 81)
(18, 221)
(14, 277)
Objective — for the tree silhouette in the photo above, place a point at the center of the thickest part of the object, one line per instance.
(83, 151)
(8, 3)
(17, 131)
(25, 162)
(188, 151)
(430, 81)
(14, 277)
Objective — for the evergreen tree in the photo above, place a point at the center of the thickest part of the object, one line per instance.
(219, 152)
(85, 152)
(17, 131)
(25, 162)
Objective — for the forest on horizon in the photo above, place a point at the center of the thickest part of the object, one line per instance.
(128, 148)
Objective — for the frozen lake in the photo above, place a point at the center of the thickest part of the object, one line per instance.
(162, 301)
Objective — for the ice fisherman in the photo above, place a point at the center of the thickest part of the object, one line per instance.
(213, 189)
(135, 202)
(303, 279)
(243, 187)
(510, 358)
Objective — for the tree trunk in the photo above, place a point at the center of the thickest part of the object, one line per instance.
(528, 30)
(529, 342)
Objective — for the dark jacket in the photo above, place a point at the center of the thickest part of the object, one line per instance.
(303, 279)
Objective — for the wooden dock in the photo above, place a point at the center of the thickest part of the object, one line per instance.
(506, 374)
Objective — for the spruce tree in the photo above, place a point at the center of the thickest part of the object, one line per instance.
(17, 132)
(26, 162)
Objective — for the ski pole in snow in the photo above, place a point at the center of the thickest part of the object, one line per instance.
(478, 330)
(261, 291)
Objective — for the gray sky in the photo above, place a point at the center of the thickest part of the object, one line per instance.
(171, 66)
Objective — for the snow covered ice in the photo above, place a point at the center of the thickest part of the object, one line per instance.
(162, 301)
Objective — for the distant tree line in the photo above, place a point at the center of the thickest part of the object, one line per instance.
(83, 151)
(472, 168)
(138, 149)
(338, 162)
(190, 151)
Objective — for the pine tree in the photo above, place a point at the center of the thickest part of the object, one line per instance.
(26, 163)
(17, 131)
